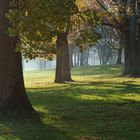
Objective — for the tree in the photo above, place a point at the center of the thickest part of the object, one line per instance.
(126, 21)
(12, 91)
(63, 61)
(134, 39)
(44, 26)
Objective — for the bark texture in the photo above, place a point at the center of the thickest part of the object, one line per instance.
(63, 63)
(130, 38)
(12, 90)
(134, 39)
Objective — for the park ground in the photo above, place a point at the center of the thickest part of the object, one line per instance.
(100, 105)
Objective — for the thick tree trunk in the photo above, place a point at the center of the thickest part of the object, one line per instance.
(63, 63)
(132, 55)
(12, 90)
(136, 63)
(134, 42)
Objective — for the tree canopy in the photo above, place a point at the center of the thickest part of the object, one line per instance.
(37, 23)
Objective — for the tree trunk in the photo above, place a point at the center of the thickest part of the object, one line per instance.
(82, 59)
(134, 42)
(127, 53)
(12, 91)
(63, 62)
(119, 58)
(87, 57)
(78, 58)
(71, 56)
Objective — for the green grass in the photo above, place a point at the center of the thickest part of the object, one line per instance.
(100, 104)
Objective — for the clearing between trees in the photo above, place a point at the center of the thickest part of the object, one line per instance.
(99, 104)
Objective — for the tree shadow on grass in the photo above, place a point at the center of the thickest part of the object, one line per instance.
(109, 112)
(20, 126)
(98, 88)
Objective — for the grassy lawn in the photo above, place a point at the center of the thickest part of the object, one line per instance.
(100, 105)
